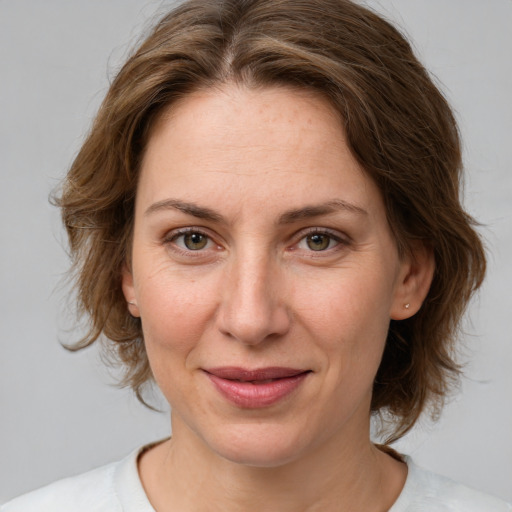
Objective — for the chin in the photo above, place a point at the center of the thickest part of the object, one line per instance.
(264, 446)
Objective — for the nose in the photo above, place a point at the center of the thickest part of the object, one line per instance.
(253, 307)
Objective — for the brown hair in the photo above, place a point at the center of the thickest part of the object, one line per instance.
(398, 125)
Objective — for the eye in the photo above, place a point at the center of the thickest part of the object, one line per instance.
(191, 240)
(319, 241)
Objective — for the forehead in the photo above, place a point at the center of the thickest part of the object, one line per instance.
(262, 142)
(239, 113)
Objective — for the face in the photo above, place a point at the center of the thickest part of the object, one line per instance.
(265, 274)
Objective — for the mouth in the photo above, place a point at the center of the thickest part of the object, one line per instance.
(258, 388)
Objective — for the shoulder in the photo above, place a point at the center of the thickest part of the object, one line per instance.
(93, 490)
(426, 491)
(108, 488)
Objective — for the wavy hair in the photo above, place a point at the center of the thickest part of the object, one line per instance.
(398, 126)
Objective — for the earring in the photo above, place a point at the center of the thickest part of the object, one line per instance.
(407, 306)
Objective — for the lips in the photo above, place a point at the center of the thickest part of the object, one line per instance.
(256, 388)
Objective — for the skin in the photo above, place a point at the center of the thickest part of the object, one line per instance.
(270, 283)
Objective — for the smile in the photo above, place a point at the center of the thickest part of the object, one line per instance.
(253, 389)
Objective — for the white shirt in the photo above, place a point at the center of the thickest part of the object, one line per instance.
(117, 488)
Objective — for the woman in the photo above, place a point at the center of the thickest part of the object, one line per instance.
(265, 219)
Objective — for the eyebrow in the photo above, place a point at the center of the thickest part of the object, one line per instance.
(289, 217)
(308, 212)
(189, 208)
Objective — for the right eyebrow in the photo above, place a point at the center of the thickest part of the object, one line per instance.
(189, 208)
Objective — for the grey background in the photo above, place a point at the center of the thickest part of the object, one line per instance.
(59, 412)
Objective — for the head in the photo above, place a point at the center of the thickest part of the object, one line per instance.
(394, 120)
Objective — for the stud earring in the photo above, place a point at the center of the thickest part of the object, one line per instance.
(407, 306)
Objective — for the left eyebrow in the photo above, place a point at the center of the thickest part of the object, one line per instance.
(308, 212)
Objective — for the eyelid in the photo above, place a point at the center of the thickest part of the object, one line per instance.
(333, 233)
(174, 233)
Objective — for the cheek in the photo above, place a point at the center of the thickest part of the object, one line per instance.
(346, 306)
(348, 318)
(176, 310)
(175, 314)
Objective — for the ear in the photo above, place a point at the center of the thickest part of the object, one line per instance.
(413, 283)
(129, 291)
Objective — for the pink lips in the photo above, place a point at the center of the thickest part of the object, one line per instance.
(253, 389)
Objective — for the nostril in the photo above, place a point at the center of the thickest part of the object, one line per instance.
(252, 329)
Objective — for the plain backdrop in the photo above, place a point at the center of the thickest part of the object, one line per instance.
(59, 412)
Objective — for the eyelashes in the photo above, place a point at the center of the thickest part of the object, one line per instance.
(196, 242)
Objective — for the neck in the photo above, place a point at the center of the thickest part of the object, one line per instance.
(184, 474)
